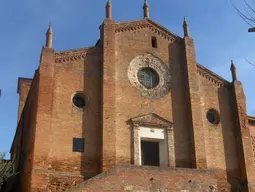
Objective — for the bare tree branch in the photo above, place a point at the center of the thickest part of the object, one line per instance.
(253, 2)
(250, 62)
(250, 15)
(249, 6)
(243, 16)
(245, 20)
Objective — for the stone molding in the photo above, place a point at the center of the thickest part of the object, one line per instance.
(146, 23)
(212, 77)
(163, 71)
(153, 121)
(73, 55)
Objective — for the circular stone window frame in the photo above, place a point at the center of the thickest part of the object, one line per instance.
(216, 116)
(85, 99)
(153, 71)
(163, 71)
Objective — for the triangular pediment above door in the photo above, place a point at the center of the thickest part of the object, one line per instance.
(151, 120)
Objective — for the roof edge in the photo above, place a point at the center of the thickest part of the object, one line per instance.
(33, 81)
(163, 28)
(23, 80)
(75, 50)
(251, 119)
(214, 75)
(152, 22)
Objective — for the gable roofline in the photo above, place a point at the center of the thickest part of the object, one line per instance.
(130, 25)
(163, 28)
(70, 51)
(81, 53)
(203, 71)
(208, 74)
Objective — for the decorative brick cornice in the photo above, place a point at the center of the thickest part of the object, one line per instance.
(212, 77)
(77, 54)
(146, 23)
(251, 120)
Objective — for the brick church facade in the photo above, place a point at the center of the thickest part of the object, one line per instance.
(135, 112)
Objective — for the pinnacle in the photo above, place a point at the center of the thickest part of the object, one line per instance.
(108, 10)
(49, 29)
(108, 3)
(232, 65)
(185, 21)
(145, 4)
(233, 71)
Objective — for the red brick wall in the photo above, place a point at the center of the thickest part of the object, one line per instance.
(194, 105)
(23, 142)
(58, 121)
(50, 121)
(220, 140)
(43, 117)
(108, 94)
(243, 135)
(125, 178)
(29, 132)
(69, 122)
(129, 101)
(252, 130)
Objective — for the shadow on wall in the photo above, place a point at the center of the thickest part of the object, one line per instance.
(180, 110)
(228, 119)
(91, 123)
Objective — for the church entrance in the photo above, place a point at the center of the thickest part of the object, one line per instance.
(150, 153)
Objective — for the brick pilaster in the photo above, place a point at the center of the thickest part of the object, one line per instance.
(42, 143)
(108, 95)
(242, 134)
(194, 103)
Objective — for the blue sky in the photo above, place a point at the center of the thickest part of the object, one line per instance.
(219, 33)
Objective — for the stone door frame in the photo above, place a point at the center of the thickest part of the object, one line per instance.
(152, 121)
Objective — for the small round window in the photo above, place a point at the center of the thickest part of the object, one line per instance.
(79, 100)
(148, 77)
(213, 116)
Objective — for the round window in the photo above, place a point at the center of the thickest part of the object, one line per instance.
(148, 77)
(213, 116)
(79, 100)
